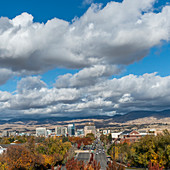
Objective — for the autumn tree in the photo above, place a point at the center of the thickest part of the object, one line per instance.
(150, 149)
(3, 163)
(115, 166)
(53, 150)
(104, 139)
(74, 164)
(91, 136)
(31, 144)
(19, 157)
(154, 166)
(5, 140)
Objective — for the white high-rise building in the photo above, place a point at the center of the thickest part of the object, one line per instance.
(90, 128)
(41, 131)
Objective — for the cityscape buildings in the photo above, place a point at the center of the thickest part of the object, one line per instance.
(41, 131)
(71, 129)
(61, 131)
(80, 132)
(89, 128)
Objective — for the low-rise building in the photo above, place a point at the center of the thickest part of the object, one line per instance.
(49, 132)
(80, 132)
(129, 136)
(2, 150)
(5, 133)
(106, 131)
(115, 135)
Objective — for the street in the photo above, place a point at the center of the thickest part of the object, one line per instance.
(83, 157)
(100, 156)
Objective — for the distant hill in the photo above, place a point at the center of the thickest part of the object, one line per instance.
(116, 118)
(141, 114)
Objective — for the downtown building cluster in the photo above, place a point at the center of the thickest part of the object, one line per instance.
(69, 130)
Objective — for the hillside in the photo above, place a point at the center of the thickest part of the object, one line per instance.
(134, 115)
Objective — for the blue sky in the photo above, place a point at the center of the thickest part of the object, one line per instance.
(87, 46)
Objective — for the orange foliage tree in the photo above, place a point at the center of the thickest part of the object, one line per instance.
(115, 166)
(74, 164)
(78, 140)
(19, 157)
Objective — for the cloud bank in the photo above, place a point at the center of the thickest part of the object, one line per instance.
(101, 43)
(117, 95)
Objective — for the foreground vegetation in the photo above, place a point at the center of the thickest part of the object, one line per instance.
(39, 152)
(150, 150)
(32, 155)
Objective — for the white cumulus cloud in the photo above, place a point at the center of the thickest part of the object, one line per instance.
(117, 34)
(117, 95)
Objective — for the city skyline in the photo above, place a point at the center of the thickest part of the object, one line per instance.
(83, 58)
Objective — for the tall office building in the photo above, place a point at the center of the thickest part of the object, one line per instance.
(90, 128)
(61, 131)
(41, 131)
(71, 129)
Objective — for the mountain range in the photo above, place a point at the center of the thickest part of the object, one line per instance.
(130, 116)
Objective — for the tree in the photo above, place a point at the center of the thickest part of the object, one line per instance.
(91, 136)
(104, 139)
(93, 165)
(74, 164)
(154, 166)
(65, 139)
(31, 144)
(54, 151)
(5, 141)
(19, 157)
(3, 163)
(115, 166)
(109, 138)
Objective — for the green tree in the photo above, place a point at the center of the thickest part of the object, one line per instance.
(104, 139)
(109, 138)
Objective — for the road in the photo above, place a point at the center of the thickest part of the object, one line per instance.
(83, 157)
(100, 156)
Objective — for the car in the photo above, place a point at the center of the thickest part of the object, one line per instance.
(96, 153)
(108, 162)
(84, 148)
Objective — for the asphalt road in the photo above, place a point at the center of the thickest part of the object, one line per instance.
(100, 156)
(83, 157)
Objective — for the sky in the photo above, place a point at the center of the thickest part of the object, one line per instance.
(83, 57)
